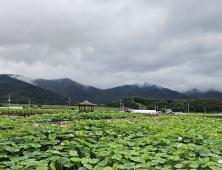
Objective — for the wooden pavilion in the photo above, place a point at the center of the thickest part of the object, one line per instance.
(86, 107)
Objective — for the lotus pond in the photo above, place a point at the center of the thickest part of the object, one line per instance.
(110, 141)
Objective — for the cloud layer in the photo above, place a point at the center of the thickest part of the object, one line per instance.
(107, 43)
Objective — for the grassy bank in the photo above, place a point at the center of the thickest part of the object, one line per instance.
(59, 107)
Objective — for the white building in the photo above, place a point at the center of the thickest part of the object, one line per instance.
(144, 111)
(12, 107)
(169, 111)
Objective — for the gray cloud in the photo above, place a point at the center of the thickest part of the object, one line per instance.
(175, 44)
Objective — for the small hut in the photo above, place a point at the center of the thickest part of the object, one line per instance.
(86, 107)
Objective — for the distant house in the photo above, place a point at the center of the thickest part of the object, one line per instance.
(144, 111)
(12, 107)
(169, 111)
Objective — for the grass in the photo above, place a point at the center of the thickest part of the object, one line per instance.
(60, 107)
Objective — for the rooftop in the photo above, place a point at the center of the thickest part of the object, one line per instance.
(86, 103)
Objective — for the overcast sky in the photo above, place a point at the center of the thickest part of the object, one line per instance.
(107, 43)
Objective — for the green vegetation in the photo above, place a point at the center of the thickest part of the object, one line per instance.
(78, 92)
(58, 107)
(195, 105)
(21, 92)
(157, 142)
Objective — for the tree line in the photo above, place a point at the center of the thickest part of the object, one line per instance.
(177, 105)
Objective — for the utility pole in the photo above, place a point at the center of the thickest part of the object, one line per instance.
(9, 101)
(120, 104)
(29, 104)
(188, 106)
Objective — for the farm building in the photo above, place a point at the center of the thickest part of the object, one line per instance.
(144, 111)
(12, 107)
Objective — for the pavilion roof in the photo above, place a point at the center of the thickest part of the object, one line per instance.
(86, 103)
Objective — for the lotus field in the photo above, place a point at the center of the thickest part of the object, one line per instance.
(110, 141)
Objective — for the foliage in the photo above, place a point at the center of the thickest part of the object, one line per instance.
(79, 92)
(158, 142)
(163, 110)
(40, 105)
(195, 105)
(22, 92)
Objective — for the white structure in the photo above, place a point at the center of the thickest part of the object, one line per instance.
(144, 111)
(12, 107)
(169, 110)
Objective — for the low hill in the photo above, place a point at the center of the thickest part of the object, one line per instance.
(22, 92)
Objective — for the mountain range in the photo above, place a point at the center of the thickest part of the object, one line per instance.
(21, 92)
(77, 92)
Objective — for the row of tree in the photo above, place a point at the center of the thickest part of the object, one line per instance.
(191, 105)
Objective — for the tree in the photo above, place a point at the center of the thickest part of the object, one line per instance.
(40, 105)
(163, 110)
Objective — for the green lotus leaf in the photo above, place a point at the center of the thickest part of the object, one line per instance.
(37, 153)
(205, 153)
(192, 154)
(137, 159)
(27, 153)
(35, 145)
(99, 133)
(36, 139)
(215, 168)
(112, 145)
(34, 132)
(215, 151)
(129, 165)
(12, 149)
(178, 166)
(104, 153)
(115, 166)
(160, 160)
(76, 159)
(69, 164)
(63, 160)
(79, 133)
(128, 155)
(93, 161)
(53, 152)
(103, 163)
(73, 153)
(17, 167)
(82, 168)
(211, 163)
(42, 168)
(140, 165)
(87, 127)
(117, 156)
